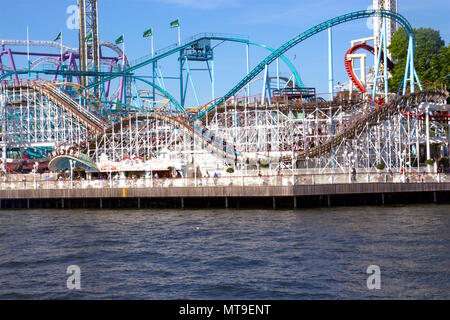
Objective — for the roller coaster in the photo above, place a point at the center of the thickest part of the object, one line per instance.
(62, 111)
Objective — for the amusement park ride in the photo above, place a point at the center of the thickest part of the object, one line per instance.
(90, 109)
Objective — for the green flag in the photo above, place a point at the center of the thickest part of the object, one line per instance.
(89, 37)
(175, 24)
(148, 33)
(119, 40)
(58, 37)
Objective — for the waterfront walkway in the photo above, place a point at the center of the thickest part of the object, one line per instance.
(231, 191)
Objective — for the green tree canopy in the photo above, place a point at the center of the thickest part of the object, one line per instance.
(431, 58)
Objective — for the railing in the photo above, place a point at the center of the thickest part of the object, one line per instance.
(295, 91)
(186, 41)
(37, 43)
(63, 97)
(38, 182)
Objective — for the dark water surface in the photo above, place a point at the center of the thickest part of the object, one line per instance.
(260, 254)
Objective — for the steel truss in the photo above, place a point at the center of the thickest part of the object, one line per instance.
(36, 118)
(284, 136)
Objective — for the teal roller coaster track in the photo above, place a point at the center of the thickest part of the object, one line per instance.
(251, 75)
(305, 35)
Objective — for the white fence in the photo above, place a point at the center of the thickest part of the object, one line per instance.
(30, 182)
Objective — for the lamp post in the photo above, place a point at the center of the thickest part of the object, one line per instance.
(347, 163)
(71, 162)
(110, 177)
(403, 165)
(35, 169)
(354, 167)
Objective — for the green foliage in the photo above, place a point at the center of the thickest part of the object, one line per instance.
(381, 166)
(263, 165)
(79, 172)
(431, 58)
(429, 162)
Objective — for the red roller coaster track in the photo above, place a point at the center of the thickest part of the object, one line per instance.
(362, 89)
(349, 67)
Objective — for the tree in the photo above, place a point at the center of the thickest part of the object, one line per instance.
(431, 58)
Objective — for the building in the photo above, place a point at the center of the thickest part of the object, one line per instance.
(391, 5)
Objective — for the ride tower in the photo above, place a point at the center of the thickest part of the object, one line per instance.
(201, 51)
(391, 26)
(89, 45)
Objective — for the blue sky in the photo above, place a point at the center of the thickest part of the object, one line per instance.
(270, 22)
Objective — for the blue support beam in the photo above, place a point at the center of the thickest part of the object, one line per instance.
(174, 49)
(306, 35)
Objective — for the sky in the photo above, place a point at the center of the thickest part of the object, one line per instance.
(269, 22)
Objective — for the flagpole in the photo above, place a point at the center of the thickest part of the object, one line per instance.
(153, 47)
(123, 55)
(28, 50)
(123, 70)
(153, 71)
(61, 41)
(179, 33)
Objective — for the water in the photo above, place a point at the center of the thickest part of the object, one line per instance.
(263, 254)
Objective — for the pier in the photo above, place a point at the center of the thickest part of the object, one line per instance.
(228, 193)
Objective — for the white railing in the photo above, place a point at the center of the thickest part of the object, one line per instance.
(40, 182)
